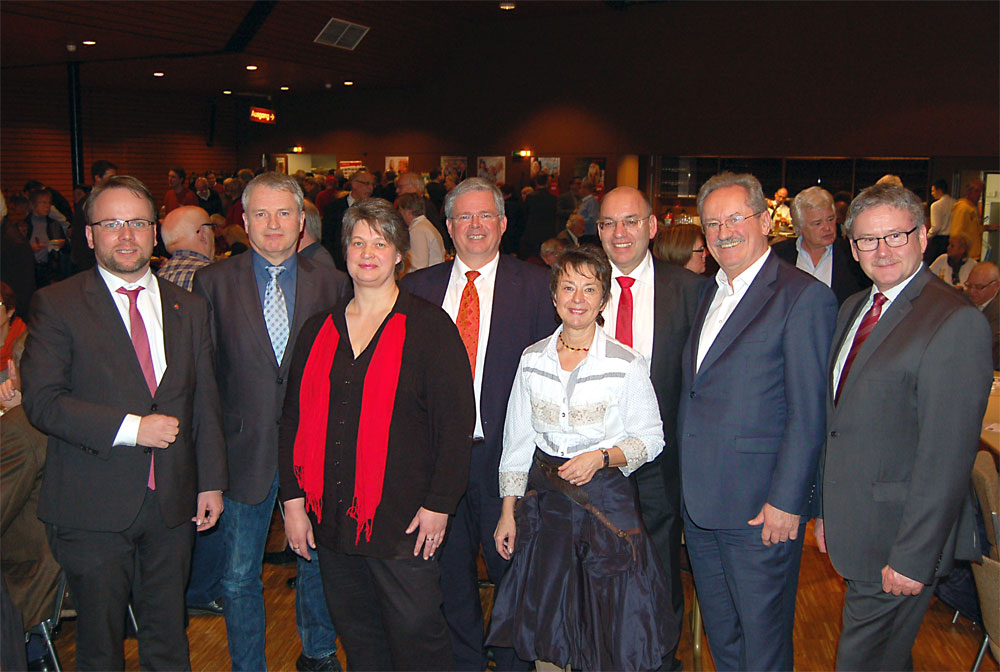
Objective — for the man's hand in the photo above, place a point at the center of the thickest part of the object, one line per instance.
(209, 509)
(158, 431)
(298, 528)
(897, 584)
(778, 525)
(10, 389)
(819, 531)
(431, 526)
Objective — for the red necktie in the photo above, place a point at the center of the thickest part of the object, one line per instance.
(140, 341)
(468, 318)
(623, 323)
(867, 324)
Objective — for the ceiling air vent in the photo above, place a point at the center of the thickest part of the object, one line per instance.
(342, 34)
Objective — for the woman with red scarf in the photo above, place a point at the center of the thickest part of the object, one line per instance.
(374, 451)
(11, 327)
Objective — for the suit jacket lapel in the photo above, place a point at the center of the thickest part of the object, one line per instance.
(506, 293)
(756, 297)
(171, 319)
(440, 287)
(661, 310)
(249, 300)
(845, 319)
(120, 347)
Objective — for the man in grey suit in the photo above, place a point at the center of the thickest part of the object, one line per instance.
(910, 375)
(258, 303)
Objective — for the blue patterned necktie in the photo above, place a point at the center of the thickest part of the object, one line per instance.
(276, 313)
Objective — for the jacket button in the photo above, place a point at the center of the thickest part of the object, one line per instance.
(280, 380)
(153, 408)
(692, 394)
(147, 449)
(834, 434)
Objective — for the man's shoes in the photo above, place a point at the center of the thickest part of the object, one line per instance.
(282, 557)
(307, 664)
(213, 608)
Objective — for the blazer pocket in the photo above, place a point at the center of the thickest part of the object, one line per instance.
(756, 444)
(889, 491)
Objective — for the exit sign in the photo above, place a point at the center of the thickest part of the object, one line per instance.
(262, 115)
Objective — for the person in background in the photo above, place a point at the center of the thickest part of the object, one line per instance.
(178, 194)
(568, 202)
(781, 216)
(208, 199)
(589, 209)
(551, 249)
(372, 467)
(12, 326)
(983, 288)
(954, 266)
(17, 259)
(310, 246)
(190, 239)
(937, 236)
(966, 220)
(413, 183)
(841, 201)
(540, 217)
(362, 185)
(48, 240)
(426, 245)
(681, 245)
(435, 189)
(576, 537)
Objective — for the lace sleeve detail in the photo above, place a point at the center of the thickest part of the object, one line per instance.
(513, 483)
(635, 454)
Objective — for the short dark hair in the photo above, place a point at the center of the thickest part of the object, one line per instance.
(119, 182)
(98, 168)
(181, 173)
(379, 214)
(412, 202)
(941, 185)
(37, 193)
(542, 180)
(8, 297)
(842, 197)
(31, 185)
(586, 257)
(434, 174)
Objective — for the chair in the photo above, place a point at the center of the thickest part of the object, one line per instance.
(987, 577)
(47, 627)
(986, 483)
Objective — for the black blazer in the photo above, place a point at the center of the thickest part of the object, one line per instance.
(81, 377)
(847, 276)
(251, 383)
(333, 225)
(522, 314)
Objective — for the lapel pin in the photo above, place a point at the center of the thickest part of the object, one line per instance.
(177, 306)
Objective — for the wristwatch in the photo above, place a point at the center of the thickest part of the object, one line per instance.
(607, 458)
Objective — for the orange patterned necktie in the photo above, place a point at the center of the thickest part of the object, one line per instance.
(468, 318)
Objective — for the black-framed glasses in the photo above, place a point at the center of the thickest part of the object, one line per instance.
(630, 223)
(116, 224)
(968, 285)
(730, 222)
(870, 243)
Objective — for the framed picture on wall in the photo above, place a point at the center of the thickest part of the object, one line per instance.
(456, 166)
(492, 168)
(281, 163)
(397, 164)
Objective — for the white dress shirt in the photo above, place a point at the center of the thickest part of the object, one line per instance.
(822, 271)
(941, 216)
(724, 303)
(151, 310)
(642, 305)
(845, 347)
(606, 401)
(453, 298)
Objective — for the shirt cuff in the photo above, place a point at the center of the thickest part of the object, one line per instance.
(513, 483)
(635, 454)
(128, 433)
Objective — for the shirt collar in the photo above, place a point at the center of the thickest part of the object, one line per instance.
(114, 282)
(189, 253)
(744, 279)
(643, 273)
(260, 264)
(487, 270)
(891, 294)
(827, 250)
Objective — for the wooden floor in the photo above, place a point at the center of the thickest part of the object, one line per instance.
(940, 645)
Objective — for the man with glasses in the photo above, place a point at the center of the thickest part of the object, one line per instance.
(910, 377)
(362, 185)
(118, 371)
(983, 287)
(501, 306)
(750, 426)
(190, 239)
(651, 309)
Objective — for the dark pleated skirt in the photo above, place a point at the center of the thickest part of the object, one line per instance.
(575, 593)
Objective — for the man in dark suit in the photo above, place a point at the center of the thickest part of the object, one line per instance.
(515, 310)
(750, 426)
(362, 185)
(258, 303)
(662, 299)
(818, 250)
(118, 372)
(540, 217)
(983, 287)
(909, 379)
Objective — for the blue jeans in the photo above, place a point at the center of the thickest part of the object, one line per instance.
(245, 527)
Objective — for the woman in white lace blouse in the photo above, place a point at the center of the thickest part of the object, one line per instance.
(584, 588)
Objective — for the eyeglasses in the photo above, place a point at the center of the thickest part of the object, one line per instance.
(730, 222)
(484, 217)
(115, 224)
(630, 223)
(870, 243)
(968, 285)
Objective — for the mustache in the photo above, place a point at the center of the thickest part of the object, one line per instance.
(729, 242)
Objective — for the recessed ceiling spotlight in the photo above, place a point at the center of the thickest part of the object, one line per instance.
(284, 88)
(251, 67)
(328, 85)
(507, 6)
(348, 83)
(157, 74)
(227, 92)
(89, 43)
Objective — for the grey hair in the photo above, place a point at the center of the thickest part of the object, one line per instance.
(898, 198)
(412, 202)
(809, 199)
(274, 180)
(413, 179)
(314, 220)
(378, 214)
(473, 184)
(755, 193)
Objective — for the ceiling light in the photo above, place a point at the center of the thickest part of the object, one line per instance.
(89, 43)
(251, 67)
(297, 149)
(157, 74)
(348, 83)
(227, 92)
(284, 88)
(507, 6)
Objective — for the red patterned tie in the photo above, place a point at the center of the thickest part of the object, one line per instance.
(623, 323)
(140, 341)
(468, 318)
(867, 324)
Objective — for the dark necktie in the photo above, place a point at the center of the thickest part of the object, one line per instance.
(864, 329)
(623, 322)
(140, 341)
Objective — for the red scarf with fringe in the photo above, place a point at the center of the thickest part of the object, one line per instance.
(377, 400)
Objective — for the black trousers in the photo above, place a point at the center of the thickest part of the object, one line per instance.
(386, 611)
(148, 560)
(880, 628)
